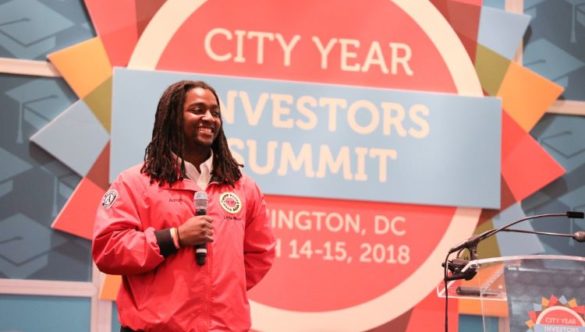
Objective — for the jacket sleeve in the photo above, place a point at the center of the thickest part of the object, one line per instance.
(259, 242)
(120, 244)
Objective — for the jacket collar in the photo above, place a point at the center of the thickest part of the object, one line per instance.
(185, 184)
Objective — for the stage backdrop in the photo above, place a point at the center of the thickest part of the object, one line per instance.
(378, 133)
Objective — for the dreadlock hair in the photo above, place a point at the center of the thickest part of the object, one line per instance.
(160, 157)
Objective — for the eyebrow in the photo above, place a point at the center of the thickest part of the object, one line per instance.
(200, 103)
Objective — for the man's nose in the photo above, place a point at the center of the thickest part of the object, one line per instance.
(208, 116)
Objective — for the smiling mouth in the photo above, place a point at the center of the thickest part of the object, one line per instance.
(206, 130)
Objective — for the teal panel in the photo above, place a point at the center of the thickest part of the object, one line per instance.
(470, 323)
(47, 314)
(115, 320)
(500, 4)
(31, 29)
(554, 46)
(562, 136)
(34, 186)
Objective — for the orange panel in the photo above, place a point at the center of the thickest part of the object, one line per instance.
(474, 307)
(84, 66)
(526, 95)
(110, 286)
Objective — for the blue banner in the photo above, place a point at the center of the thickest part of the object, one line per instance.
(334, 141)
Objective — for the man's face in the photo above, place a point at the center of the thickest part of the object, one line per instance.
(201, 118)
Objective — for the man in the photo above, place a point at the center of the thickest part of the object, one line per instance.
(147, 229)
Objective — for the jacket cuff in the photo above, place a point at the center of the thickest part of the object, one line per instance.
(165, 242)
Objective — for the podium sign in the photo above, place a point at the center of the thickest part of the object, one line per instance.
(540, 293)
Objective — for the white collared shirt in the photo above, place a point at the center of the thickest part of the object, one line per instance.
(201, 179)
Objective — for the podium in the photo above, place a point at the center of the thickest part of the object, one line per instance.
(539, 293)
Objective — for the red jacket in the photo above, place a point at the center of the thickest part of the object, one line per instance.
(170, 292)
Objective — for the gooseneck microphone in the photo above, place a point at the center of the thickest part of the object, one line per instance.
(456, 266)
(578, 236)
(471, 243)
(200, 199)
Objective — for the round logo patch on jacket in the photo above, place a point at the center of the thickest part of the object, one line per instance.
(230, 202)
(109, 198)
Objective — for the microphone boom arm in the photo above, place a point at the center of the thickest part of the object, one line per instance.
(471, 244)
(578, 236)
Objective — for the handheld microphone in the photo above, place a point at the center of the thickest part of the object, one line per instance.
(200, 199)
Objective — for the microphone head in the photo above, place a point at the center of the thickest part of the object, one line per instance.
(579, 236)
(200, 200)
(575, 214)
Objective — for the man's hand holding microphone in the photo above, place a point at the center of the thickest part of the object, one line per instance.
(198, 230)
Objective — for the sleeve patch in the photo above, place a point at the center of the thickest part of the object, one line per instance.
(109, 198)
